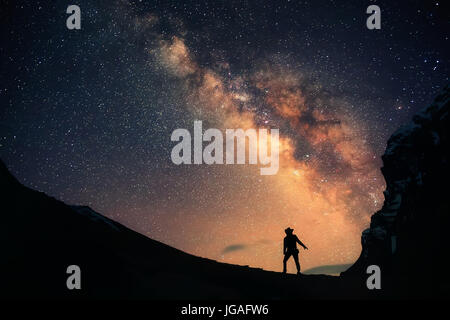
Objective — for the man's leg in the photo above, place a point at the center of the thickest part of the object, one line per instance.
(286, 257)
(297, 263)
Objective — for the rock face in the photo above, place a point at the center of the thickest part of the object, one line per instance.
(408, 238)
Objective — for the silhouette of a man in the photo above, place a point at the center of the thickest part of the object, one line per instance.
(290, 248)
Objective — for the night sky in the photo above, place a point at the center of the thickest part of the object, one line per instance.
(87, 115)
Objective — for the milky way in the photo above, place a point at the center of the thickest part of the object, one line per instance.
(87, 115)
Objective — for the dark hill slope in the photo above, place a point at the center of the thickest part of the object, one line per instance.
(41, 237)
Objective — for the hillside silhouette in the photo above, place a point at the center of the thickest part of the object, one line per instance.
(41, 237)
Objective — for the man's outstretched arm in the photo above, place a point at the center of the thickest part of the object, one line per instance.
(301, 243)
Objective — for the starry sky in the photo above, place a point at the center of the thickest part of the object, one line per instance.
(87, 115)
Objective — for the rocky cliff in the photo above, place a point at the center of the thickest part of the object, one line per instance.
(408, 238)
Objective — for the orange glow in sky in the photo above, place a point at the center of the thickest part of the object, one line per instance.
(235, 215)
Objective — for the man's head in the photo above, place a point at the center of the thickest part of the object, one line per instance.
(288, 230)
